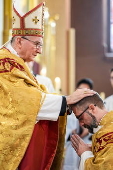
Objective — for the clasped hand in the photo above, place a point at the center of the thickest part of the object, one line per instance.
(79, 145)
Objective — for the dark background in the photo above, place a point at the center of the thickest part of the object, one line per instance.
(86, 18)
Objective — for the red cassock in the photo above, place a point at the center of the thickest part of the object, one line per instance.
(42, 147)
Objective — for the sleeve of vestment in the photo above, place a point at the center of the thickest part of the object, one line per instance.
(103, 161)
(102, 149)
(53, 106)
(84, 156)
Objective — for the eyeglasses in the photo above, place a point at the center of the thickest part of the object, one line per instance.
(78, 117)
(37, 44)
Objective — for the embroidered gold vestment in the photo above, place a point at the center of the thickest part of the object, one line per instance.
(102, 146)
(21, 99)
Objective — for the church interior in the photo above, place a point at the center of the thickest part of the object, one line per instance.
(77, 41)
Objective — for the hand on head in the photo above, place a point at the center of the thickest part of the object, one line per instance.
(78, 95)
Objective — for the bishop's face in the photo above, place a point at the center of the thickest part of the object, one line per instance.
(30, 47)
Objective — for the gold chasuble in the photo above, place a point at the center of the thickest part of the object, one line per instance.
(21, 98)
(102, 146)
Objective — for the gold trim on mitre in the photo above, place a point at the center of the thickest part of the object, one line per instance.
(29, 24)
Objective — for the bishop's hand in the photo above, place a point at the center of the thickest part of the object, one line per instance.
(78, 95)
